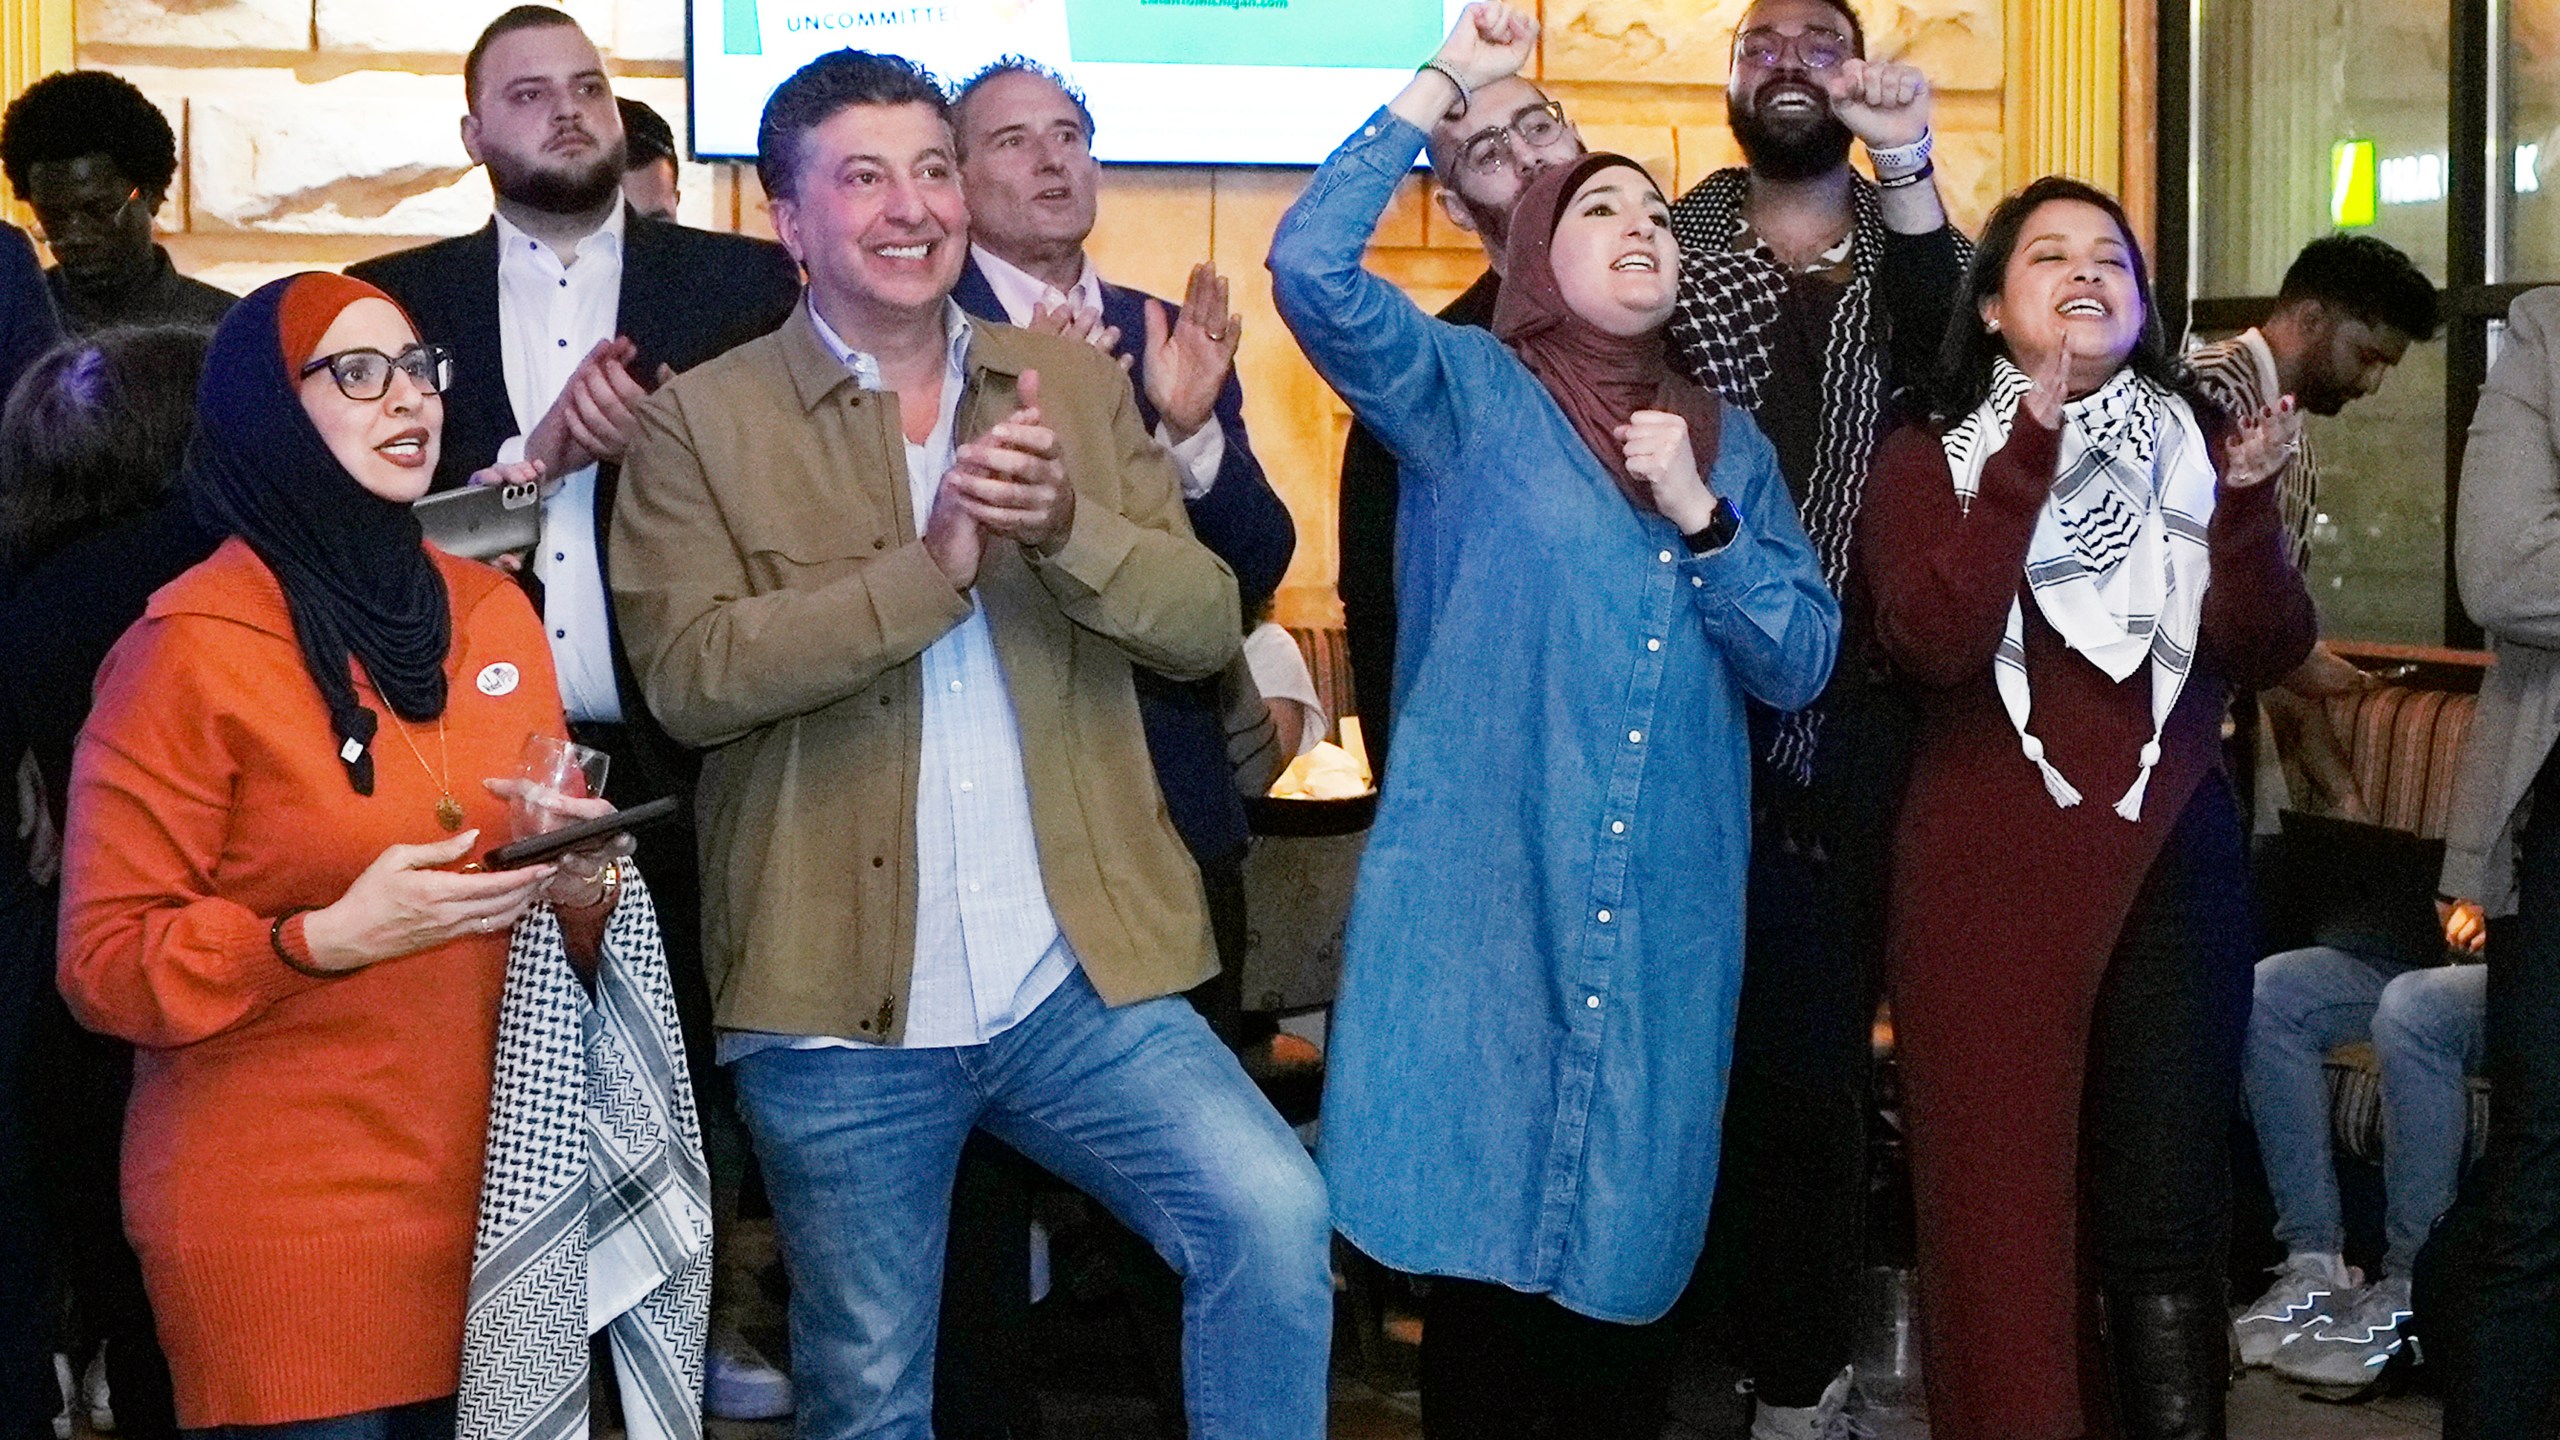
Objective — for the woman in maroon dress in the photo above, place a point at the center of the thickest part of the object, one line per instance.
(2075, 563)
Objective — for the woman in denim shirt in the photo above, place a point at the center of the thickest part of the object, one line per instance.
(1536, 1016)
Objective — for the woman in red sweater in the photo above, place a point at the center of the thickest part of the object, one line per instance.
(2075, 563)
(269, 809)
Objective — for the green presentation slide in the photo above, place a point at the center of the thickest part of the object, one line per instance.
(1352, 34)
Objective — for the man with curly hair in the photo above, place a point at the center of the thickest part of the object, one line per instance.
(94, 158)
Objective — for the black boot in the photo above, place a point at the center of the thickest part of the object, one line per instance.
(2171, 1360)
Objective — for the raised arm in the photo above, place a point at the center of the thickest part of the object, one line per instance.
(1944, 576)
(718, 660)
(1373, 345)
(1761, 596)
(2507, 530)
(2258, 621)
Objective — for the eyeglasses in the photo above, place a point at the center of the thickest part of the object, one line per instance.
(1487, 151)
(56, 221)
(366, 374)
(1814, 49)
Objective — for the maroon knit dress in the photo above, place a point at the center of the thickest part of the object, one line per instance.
(2006, 907)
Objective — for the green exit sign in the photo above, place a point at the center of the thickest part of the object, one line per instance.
(2352, 196)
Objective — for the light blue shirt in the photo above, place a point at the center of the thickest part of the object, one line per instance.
(1526, 1071)
(988, 947)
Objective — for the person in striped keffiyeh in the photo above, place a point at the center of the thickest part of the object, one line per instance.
(2074, 563)
(1811, 297)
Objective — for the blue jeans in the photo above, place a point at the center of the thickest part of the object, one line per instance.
(424, 1420)
(1139, 1107)
(2427, 1028)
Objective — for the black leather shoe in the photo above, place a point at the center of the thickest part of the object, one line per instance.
(2171, 1360)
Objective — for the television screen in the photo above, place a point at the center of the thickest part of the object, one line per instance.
(1204, 82)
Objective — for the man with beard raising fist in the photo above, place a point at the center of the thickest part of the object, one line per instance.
(1811, 296)
(562, 313)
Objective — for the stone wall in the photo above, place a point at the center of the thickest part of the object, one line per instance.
(320, 132)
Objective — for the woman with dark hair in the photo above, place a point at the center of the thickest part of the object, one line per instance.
(2075, 560)
(89, 451)
(287, 753)
(1598, 564)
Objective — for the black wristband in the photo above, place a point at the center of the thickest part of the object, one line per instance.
(275, 940)
(1721, 528)
(1902, 182)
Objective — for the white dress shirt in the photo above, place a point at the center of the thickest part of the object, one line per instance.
(988, 947)
(549, 316)
(1020, 293)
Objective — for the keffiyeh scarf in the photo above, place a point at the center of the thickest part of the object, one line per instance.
(595, 1213)
(1723, 329)
(2118, 563)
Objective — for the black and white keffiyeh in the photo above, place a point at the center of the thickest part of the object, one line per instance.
(595, 1213)
(2118, 563)
(1723, 332)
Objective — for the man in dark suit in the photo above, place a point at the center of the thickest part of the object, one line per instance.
(1028, 172)
(1483, 154)
(555, 312)
(1027, 168)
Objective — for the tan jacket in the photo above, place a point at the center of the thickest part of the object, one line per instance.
(776, 601)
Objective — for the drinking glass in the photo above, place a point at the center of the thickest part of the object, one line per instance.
(553, 769)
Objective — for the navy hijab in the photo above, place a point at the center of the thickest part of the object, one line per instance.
(354, 567)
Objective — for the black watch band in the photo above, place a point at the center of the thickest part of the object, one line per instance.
(1721, 528)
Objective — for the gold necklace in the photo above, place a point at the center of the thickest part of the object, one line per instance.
(448, 809)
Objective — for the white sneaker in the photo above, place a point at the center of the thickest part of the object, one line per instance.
(2354, 1347)
(1825, 1419)
(738, 1383)
(62, 1379)
(2306, 1292)
(93, 1394)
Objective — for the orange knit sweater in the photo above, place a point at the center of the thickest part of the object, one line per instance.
(302, 1157)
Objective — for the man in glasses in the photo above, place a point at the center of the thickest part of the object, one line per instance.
(1809, 295)
(1483, 154)
(94, 159)
(562, 313)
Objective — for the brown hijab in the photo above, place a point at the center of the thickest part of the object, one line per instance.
(1597, 378)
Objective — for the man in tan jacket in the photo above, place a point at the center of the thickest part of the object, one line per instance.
(893, 568)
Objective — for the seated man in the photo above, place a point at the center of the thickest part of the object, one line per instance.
(2320, 1323)
(940, 888)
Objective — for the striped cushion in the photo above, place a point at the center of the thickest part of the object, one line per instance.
(2404, 746)
(2355, 1105)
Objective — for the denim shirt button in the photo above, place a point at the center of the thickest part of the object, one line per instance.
(1635, 737)
(1604, 917)
(1653, 644)
(1666, 557)
(1617, 827)
(1592, 1003)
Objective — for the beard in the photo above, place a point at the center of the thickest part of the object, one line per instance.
(1791, 149)
(575, 191)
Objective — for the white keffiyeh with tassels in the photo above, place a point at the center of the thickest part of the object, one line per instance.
(2118, 563)
(595, 1210)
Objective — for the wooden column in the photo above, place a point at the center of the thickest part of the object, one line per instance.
(35, 41)
(2062, 97)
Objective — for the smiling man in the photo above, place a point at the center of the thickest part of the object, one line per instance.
(1810, 295)
(94, 159)
(946, 892)
(560, 313)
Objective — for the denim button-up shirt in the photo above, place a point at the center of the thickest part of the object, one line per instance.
(1529, 1051)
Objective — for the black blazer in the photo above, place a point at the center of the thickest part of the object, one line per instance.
(687, 296)
(1244, 523)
